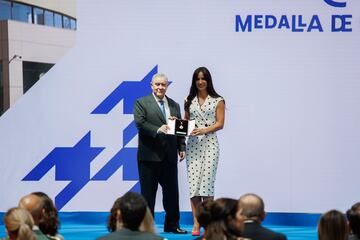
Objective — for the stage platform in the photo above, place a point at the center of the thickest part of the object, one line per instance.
(90, 225)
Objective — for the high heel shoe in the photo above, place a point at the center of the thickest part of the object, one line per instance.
(195, 233)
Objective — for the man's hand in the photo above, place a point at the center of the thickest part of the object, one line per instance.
(182, 155)
(163, 129)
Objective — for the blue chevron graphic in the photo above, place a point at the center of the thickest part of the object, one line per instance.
(126, 157)
(128, 91)
(73, 163)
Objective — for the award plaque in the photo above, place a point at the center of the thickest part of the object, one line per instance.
(181, 127)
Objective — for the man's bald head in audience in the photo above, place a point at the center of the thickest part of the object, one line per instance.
(33, 204)
(252, 207)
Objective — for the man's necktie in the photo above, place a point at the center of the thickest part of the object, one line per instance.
(162, 108)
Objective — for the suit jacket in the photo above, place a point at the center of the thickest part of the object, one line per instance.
(155, 146)
(125, 233)
(353, 237)
(255, 231)
(39, 235)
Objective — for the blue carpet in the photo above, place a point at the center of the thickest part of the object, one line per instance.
(90, 225)
(292, 233)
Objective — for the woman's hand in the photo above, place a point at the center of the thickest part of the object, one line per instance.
(198, 131)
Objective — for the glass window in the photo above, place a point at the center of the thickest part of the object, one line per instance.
(49, 18)
(73, 23)
(21, 12)
(39, 16)
(66, 22)
(5, 10)
(57, 20)
(32, 72)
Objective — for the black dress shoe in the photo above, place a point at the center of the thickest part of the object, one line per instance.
(176, 230)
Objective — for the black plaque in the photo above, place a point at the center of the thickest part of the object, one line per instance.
(181, 127)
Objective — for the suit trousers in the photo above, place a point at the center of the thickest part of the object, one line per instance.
(164, 173)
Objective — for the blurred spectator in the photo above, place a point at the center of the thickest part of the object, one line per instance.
(253, 209)
(33, 204)
(333, 226)
(353, 216)
(18, 224)
(147, 224)
(49, 221)
(221, 219)
(126, 216)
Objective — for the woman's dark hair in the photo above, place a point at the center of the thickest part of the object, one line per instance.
(111, 226)
(49, 222)
(203, 213)
(132, 208)
(333, 226)
(215, 218)
(193, 90)
(353, 216)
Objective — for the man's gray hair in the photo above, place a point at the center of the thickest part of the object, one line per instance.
(159, 75)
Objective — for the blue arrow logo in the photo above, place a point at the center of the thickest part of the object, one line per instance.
(128, 91)
(73, 163)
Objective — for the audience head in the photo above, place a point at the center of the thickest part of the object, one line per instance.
(49, 222)
(203, 213)
(252, 207)
(221, 218)
(128, 211)
(333, 226)
(33, 204)
(19, 223)
(353, 216)
(147, 224)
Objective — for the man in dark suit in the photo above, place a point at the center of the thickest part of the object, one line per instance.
(158, 151)
(130, 213)
(253, 210)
